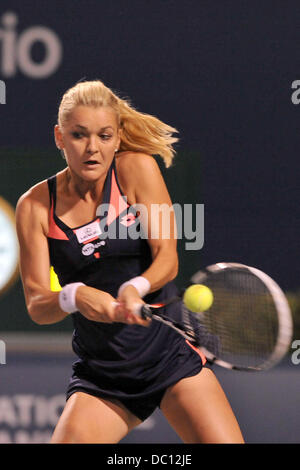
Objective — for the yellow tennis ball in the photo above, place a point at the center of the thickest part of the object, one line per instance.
(54, 282)
(198, 298)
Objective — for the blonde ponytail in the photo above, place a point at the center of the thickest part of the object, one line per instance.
(145, 133)
(140, 132)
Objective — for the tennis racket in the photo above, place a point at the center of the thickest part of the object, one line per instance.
(248, 326)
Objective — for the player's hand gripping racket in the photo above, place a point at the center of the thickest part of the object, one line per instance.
(247, 323)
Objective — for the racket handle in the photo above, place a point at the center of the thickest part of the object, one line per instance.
(145, 312)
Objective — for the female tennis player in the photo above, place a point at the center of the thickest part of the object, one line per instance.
(80, 221)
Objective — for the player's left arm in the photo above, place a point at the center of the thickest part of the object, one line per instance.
(147, 189)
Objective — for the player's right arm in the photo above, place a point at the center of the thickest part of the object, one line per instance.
(42, 304)
(31, 222)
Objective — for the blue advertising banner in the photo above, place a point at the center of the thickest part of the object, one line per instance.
(33, 384)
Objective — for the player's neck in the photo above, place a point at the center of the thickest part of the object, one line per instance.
(86, 190)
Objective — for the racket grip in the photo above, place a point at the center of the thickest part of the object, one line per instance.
(145, 312)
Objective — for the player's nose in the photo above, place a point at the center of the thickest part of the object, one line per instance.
(92, 146)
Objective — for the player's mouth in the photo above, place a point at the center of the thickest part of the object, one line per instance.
(91, 163)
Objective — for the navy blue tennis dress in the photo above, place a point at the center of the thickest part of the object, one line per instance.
(131, 363)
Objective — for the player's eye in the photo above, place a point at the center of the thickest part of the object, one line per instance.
(105, 136)
(77, 135)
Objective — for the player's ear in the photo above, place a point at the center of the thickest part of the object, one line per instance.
(58, 137)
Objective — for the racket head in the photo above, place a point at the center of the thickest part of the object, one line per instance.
(249, 325)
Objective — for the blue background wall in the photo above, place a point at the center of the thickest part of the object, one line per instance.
(223, 73)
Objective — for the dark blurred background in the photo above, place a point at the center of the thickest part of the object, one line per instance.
(224, 73)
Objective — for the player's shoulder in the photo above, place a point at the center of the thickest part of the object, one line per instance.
(35, 199)
(136, 164)
(34, 194)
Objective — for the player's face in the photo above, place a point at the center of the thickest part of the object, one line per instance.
(89, 140)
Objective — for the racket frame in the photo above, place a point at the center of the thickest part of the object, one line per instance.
(285, 323)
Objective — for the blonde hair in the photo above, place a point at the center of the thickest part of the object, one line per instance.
(140, 132)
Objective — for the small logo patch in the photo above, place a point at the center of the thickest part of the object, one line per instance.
(128, 220)
(88, 249)
(88, 232)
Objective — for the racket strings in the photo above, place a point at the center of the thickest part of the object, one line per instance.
(200, 334)
(241, 325)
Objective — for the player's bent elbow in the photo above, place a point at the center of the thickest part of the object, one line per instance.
(42, 306)
(174, 270)
(35, 315)
(174, 274)
(39, 312)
